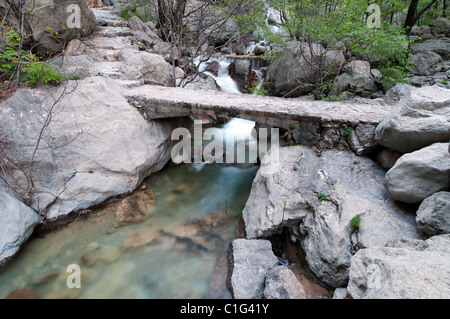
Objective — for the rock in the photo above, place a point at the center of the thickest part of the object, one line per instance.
(260, 50)
(355, 185)
(402, 270)
(440, 47)
(135, 208)
(281, 283)
(340, 293)
(94, 3)
(92, 153)
(441, 27)
(22, 294)
(251, 259)
(420, 174)
(362, 139)
(291, 73)
(151, 68)
(387, 158)
(18, 221)
(92, 254)
(426, 63)
(419, 121)
(357, 67)
(363, 85)
(213, 68)
(52, 26)
(433, 215)
(207, 83)
(399, 92)
(278, 199)
(165, 50)
(75, 47)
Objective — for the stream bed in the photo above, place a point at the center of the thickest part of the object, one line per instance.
(166, 240)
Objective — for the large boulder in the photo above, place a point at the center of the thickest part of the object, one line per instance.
(412, 269)
(421, 119)
(53, 23)
(433, 215)
(317, 198)
(18, 221)
(358, 78)
(251, 259)
(441, 27)
(440, 47)
(426, 63)
(418, 175)
(95, 146)
(147, 67)
(293, 72)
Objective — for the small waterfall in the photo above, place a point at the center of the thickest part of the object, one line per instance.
(223, 78)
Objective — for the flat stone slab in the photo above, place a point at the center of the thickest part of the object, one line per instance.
(161, 102)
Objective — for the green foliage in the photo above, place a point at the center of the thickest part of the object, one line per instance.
(25, 66)
(348, 132)
(356, 221)
(259, 91)
(337, 22)
(322, 196)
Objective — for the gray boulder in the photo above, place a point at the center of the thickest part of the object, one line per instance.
(441, 27)
(291, 73)
(18, 221)
(433, 215)
(423, 118)
(51, 23)
(440, 47)
(251, 259)
(420, 174)
(357, 79)
(350, 186)
(281, 283)
(148, 67)
(96, 146)
(411, 269)
(426, 63)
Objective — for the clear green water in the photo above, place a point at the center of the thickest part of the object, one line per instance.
(175, 250)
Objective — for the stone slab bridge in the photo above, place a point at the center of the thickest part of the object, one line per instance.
(320, 123)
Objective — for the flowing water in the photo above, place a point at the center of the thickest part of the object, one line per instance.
(166, 240)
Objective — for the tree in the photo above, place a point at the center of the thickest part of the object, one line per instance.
(414, 14)
(323, 27)
(192, 28)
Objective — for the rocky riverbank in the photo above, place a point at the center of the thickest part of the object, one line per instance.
(357, 226)
(374, 226)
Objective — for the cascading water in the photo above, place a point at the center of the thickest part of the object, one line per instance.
(223, 78)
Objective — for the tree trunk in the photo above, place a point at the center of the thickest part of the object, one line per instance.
(411, 17)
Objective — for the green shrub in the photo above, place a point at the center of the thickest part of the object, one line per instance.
(356, 221)
(23, 66)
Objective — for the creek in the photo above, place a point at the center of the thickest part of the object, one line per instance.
(173, 246)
